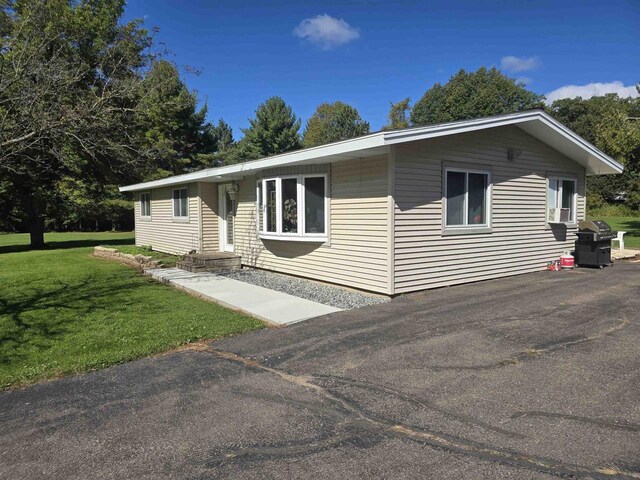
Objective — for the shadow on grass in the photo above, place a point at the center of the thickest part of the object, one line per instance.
(36, 319)
(67, 244)
(632, 227)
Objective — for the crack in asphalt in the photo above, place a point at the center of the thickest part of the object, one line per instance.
(613, 424)
(421, 403)
(536, 351)
(354, 417)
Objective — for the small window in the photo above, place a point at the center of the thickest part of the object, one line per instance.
(271, 223)
(466, 198)
(314, 201)
(181, 203)
(293, 207)
(561, 200)
(259, 205)
(289, 205)
(145, 205)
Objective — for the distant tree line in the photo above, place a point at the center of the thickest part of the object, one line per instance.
(87, 103)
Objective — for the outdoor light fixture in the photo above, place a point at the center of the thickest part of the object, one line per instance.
(513, 153)
(233, 191)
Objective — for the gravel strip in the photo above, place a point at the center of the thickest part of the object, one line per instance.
(317, 292)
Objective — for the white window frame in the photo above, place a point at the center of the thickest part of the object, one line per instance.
(142, 216)
(179, 218)
(466, 227)
(300, 235)
(574, 201)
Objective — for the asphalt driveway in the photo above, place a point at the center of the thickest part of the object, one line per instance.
(535, 376)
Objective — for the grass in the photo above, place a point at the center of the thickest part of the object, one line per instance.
(631, 225)
(63, 311)
(164, 258)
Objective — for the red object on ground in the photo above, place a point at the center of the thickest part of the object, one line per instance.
(566, 260)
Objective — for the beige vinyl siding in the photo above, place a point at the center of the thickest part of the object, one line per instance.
(162, 233)
(521, 240)
(356, 254)
(210, 220)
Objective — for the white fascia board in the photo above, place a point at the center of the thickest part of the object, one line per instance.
(420, 133)
(555, 127)
(581, 142)
(335, 151)
(356, 147)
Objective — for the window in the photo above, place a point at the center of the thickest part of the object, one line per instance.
(314, 200)
(561, 200)
(145, 205)
(293, 207)
(467, 199)
(181, 203)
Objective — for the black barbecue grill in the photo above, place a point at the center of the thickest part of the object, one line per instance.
(593, 246)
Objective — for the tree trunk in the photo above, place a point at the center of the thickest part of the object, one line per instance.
(35, 219)
(36, 232)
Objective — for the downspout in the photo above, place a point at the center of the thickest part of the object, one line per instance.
(200, 217)
(391, 223)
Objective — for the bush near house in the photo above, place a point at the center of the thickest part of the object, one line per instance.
(63, 311)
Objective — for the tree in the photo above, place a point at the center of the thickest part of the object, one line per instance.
(399, 114)
(85, 106)
(611, 124)
(69, 97)
(332, 122)
(178, 135)
(470, 95)
(223, 135)
(273, 130)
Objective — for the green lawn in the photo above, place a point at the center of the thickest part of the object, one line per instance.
(631, 225)
(63, 311)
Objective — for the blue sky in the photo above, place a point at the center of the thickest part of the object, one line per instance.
(370, 52)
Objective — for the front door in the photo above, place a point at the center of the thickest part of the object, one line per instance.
(227, 216)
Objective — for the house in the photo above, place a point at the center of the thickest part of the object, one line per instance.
(390, 212)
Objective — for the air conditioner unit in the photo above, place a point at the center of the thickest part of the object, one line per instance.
(559, 215)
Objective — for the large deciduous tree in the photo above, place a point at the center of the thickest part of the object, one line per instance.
(612, 124)
(85, 105)
(399, 114)
(332, 122)
(69, 97)
(468, 95)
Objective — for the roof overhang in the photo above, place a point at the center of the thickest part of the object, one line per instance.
(537, 123)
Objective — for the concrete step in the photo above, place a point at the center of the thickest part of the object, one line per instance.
(215, 261)
(190, 267)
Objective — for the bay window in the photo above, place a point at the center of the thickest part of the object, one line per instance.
(466, 199)
(561, 200)
(292, 207)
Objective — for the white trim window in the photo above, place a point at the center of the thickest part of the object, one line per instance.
(145, 205)
(467, 199)
(562, 199)
(180, 203)
(293, 207)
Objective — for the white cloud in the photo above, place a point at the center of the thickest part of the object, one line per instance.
(519, 64)
(326, 32)
(592, 90)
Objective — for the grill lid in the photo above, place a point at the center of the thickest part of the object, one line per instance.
(595, 226)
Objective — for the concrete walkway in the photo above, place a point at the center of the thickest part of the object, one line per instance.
(268, 305)
(625, 254)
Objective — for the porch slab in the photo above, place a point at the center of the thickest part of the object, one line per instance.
(269, 305)
(625, 254)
